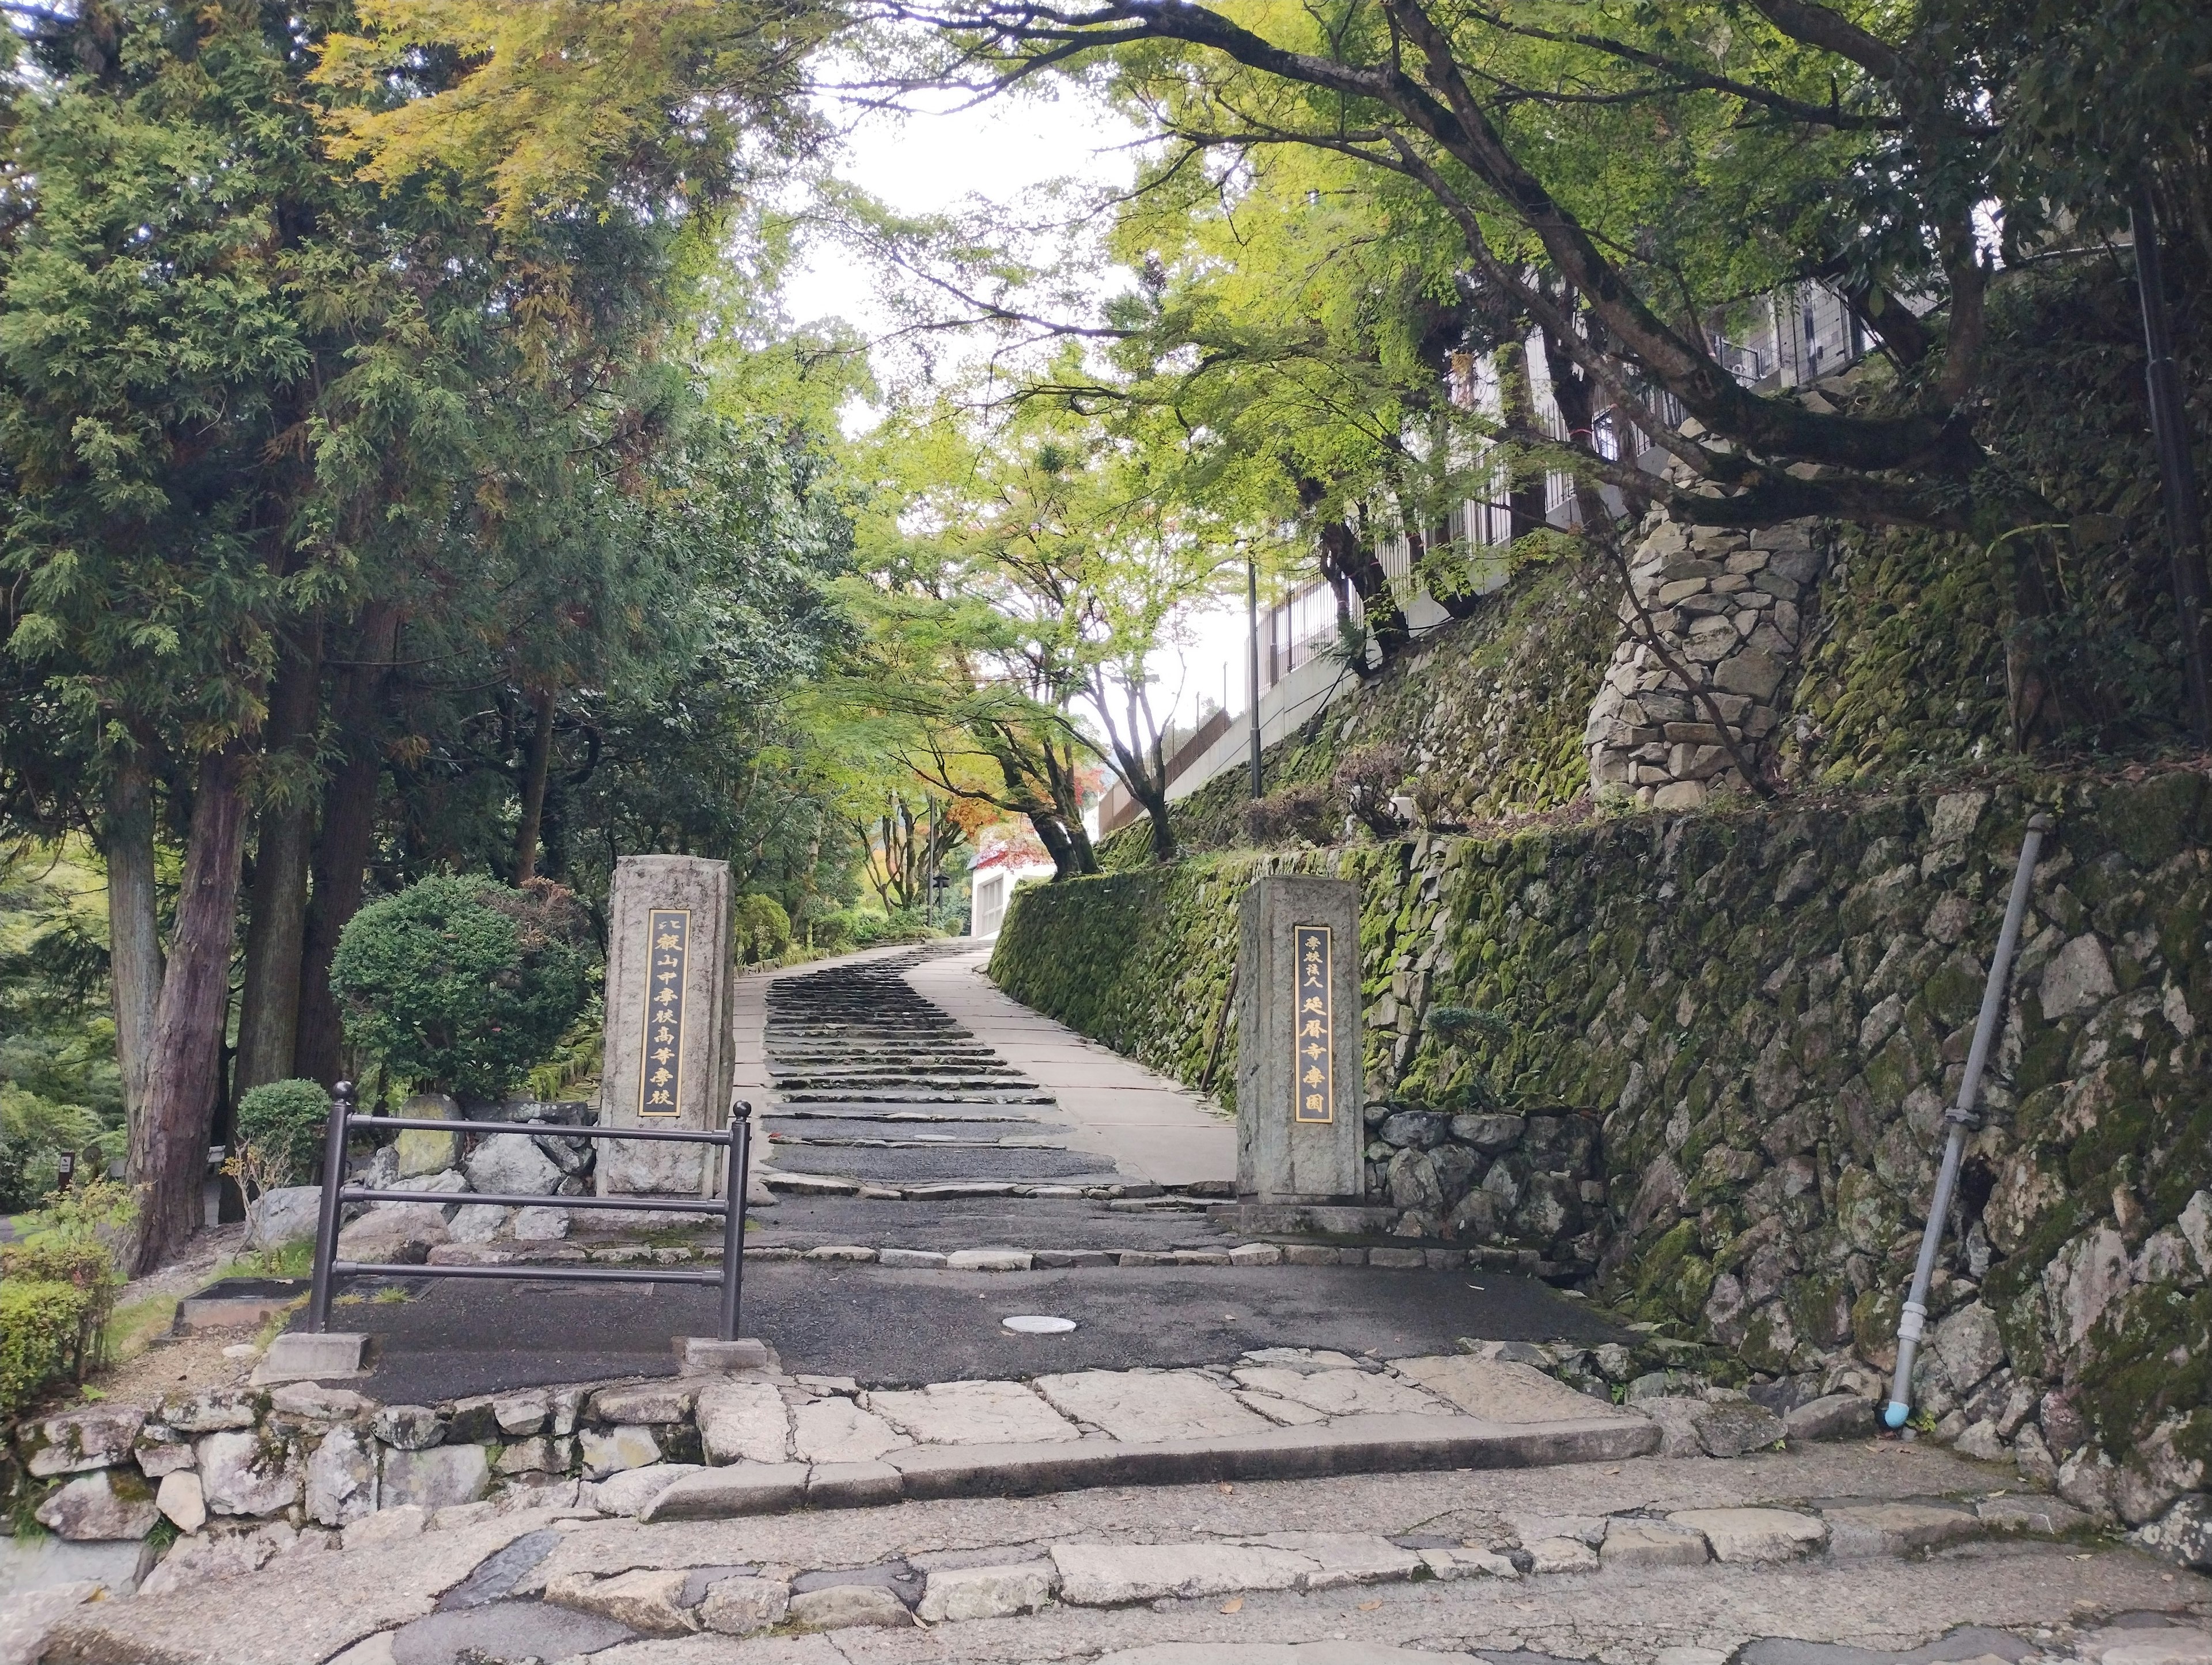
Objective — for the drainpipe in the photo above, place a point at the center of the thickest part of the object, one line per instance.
(1961, 1119)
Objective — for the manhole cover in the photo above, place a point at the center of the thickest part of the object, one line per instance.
(1037, 1323)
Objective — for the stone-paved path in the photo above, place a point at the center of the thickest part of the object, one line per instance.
(1844, 1554)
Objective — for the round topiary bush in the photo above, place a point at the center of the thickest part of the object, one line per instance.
(284, 1122)
(460, 985)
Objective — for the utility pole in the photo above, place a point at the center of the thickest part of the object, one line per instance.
(1252, 621)
(2169, 428)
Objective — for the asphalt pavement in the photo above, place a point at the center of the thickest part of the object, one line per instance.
(891, 1327)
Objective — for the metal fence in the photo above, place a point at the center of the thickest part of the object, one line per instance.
(730, 1205)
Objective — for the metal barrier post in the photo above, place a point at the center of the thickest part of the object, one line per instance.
(327, 1221)
(734, 1214)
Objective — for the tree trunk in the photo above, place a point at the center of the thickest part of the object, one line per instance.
(134, 930)
(269, 1005)
(169, 1141)
(1349, 560)
(341, 858)
(1067, 798)
(1524, 500)
(536, 766)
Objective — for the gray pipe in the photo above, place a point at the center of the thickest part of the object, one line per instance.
(1961, 1119)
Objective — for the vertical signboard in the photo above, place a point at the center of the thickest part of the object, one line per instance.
(661, 1070)
(1313, 1039)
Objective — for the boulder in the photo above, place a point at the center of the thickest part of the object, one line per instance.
(1419, 1130)
(1733, 1426)
(211, 1410)
(341, 1478)
(510, 1164)
(1968, 1347)
(739, 1605)
(1492, 1135)
(182, 1500)
(98, 1437)
(432, 1479)
(243, 1472)
(395, 1234)
(289, 1214)
(110, 1504)
(1831, 1416)
(423, 1152)
(2184, 1533)
(616, 1449)
(540, 1225)
(476, 1222)
(409, 1427)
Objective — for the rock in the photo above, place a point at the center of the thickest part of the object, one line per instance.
(988, 1260)
(181, 1499)
(2034, 1517)
(740, 1606)
(112, 1503)
(836, 1430)
(1754, 1534)
(510, 1164)
(1412, 1177)
(1750, 672)
(195, 1561)
(1419, 1130)
(986, 1592)
(1677, 1421)
(289, 1214)
(518, 1414)
(536, 1225)
(1982, 1441)
(341, 1478)
(616, 1450)
(1118, 1575)
(1968, 1347)
(2085, 1479)
(1458, 1561)
(743, 1422)
(1894, 1528)
(210, 1412)
(386, 1526)
(432, 1479)
(476, 1222)
(157, 1457)
(659, 1402)
(1143, 1406)
(1638, 1543)
(534, 1455)
(98, 1437)
(420, 1152)
(1256, 1255)
(2183, 1534)
(1561, 1555)
(973, 1413)
(2077, 978)
(1831, 1416)
(909, 1257)
(2173, 1644)
(395, 1234)
(1733, 1426)
(316, 1403)
(409, 1427)
(244, 1474)
(647, 1600)
(631, 1489)
(1491, 1135)
(843, 1606)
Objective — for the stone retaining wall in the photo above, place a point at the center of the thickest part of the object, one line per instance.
(1770, 1010)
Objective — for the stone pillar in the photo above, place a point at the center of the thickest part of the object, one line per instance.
(669, 977)
(1299, 1071)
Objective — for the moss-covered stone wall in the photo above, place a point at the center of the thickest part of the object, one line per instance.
(1769, 1011)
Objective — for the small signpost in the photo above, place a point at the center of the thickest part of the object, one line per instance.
(1299, 1068)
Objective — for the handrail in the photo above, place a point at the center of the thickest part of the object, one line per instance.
(737, 1137)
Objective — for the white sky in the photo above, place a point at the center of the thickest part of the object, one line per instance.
(1001, 152)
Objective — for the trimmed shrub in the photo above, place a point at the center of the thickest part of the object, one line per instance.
(462, 986)
(764, 929)
(1291, 814)
(281, 1125)
(42, 1327)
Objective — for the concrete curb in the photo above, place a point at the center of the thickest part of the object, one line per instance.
(1350, 1445)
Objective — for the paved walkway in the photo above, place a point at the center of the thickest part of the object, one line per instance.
(1840, 1554)
(1152, 1127)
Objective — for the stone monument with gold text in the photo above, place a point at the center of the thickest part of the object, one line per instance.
(669, 971)
(1299, 1071)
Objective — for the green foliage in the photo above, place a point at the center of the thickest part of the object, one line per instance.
(460, 986)
(42, 1323)
(59, 1284)
(284, 1123)
(764, 929)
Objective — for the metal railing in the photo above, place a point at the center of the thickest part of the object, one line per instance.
(730, 1205)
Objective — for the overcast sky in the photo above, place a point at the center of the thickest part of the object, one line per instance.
(1001, 153)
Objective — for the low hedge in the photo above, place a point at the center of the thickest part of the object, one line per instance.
(44, 1334)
